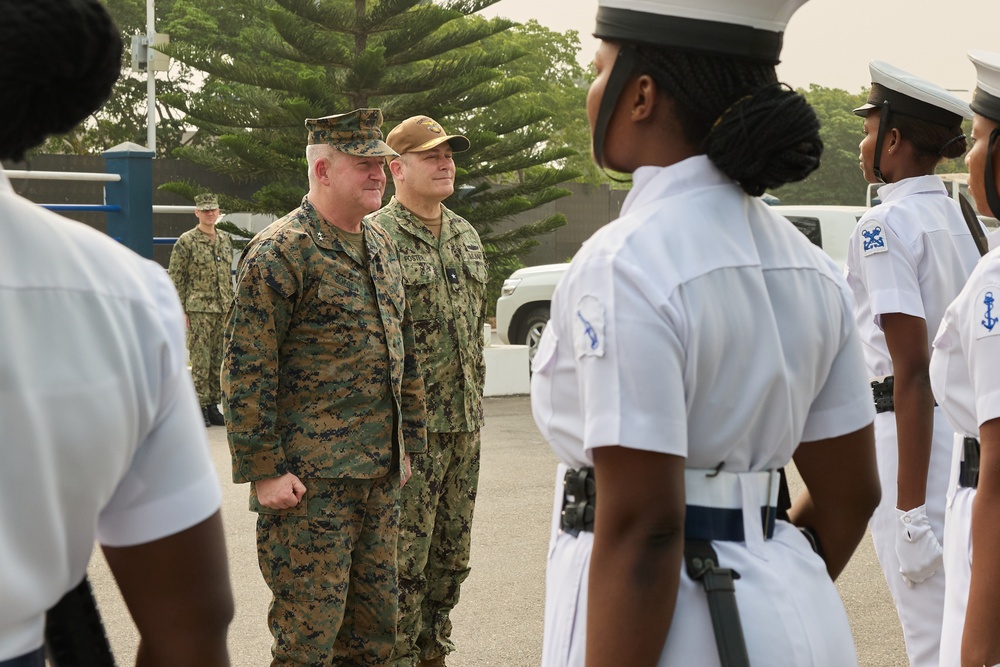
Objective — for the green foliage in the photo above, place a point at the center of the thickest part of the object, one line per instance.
(839, 180)
(515, 91)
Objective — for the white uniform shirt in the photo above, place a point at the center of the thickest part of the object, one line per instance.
(100, 431)
(910, 255)
(966, 359)
(702, 324)
(712, 321)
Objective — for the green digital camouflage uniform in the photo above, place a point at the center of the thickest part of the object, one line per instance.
(202, 271)
(446, 290)
(319, 379)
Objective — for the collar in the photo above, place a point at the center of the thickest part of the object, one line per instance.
(412, 224)
(652, 183)
(911, 186)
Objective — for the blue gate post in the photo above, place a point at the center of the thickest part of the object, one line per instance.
(133, 224)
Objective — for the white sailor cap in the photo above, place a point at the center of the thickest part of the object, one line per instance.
(986, 99)
(749, 29)
(912, 96)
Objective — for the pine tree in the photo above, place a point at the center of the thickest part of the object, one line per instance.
(270, 64)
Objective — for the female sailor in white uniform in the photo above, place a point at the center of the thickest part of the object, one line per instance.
(965, 376)
(696, 345)
(906, 260)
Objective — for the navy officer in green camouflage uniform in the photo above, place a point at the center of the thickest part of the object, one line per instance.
(445, 275)
(324, 401)
(201, 266)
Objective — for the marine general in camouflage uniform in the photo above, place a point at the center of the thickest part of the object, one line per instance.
(201, 266)
(445, 274)
(324, 401)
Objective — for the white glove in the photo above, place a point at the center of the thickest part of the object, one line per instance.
(917, 548)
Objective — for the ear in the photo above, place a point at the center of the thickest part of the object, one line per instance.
(321, 169)
(893, 140)
(396, 169)
(644, 98)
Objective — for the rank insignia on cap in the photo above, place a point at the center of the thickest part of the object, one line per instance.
(588, 328)
(987, 312)
(873, 238)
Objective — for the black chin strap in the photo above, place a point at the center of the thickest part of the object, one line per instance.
(619, 75)
(883, 121)
(992, 197)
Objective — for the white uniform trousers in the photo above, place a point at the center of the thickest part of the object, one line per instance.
(791, 613)
(920, 608)
(957, 562)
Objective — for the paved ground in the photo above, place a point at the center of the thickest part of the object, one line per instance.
(499, 621)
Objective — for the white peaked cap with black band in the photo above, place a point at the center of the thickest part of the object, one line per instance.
(986, 100)
(986, 103)
(912, 96)
(750, 29)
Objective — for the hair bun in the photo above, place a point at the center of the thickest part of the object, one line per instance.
(766, 139)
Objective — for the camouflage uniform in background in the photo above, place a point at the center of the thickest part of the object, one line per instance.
(319, 379)
(202, 271)
(446, 291)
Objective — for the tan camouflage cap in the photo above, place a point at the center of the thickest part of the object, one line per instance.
(354, 133)
(422, 133)
(206, 202)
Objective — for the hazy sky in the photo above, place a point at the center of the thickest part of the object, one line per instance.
(829, 42)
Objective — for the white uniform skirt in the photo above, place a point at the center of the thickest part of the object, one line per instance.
(790, 610)
(920, 608)
(957, 562)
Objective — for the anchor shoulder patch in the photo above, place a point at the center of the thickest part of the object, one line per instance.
(986, 312)
(588, 327)
(872, 238)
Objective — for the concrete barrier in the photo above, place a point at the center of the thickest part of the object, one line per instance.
(507, 367)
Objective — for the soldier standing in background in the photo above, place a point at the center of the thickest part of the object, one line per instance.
(201, 266)
(445, 275)
(321, 394)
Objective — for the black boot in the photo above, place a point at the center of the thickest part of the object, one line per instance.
(204, 413)
(215, 416)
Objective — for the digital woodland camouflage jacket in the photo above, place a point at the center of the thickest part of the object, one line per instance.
(316, 362)
(202, 271)
(446, 292)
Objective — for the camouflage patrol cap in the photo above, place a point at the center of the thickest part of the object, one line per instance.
(354, 133)
(206, 201)
(421, 133)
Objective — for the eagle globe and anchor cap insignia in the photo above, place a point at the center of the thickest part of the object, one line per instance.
(873, 238)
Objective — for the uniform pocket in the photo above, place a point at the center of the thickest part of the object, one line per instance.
(338, 291)
(418, 273)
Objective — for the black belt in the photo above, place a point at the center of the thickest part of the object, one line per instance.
(882, 393)
(702, 525)
(968, 469)
(34, 659)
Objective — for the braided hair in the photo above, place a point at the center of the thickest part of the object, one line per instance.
(59, 60)
(758, 132)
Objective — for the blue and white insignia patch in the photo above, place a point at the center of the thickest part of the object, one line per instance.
(987, 312)
(588, 327)
(872, 238)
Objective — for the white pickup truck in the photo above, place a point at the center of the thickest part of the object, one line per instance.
(523, 306)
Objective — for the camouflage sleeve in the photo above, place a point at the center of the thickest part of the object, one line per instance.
(256, 327)
(414, 417)
(178, 270)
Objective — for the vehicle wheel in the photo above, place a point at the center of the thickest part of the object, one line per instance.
(532, 328)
